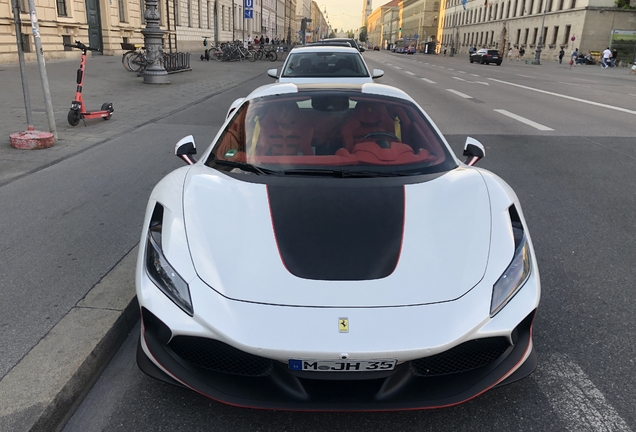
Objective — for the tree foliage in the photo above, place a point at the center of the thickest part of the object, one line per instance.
(623, 4)
(363, 34)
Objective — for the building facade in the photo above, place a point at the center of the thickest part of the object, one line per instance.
(106, 24)
(556, 24)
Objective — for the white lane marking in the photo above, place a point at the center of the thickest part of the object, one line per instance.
(474, 75)
(410, 73)
(632, 94)
(450, 69)
(426, 63)
(575, 398)
(428, 81)
(397, 67)
(625, 110)
(460, 94)
(524, 120)
(480, 82)
(525, 76)
(461, 71)
(443, 67)
(458, 78)
(567, 83)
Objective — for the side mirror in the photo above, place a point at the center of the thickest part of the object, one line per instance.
(185, 148)
(273, 73)
(474, 150)
(234, 106)
(377, 73)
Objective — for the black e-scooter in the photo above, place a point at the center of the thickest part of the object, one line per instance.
(78, 110)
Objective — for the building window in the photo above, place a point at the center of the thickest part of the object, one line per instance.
(26, 42)
(525, 37)
(545, 36)
(573, 4)
(23, 5)
(199, 13)
(534, 35)
(518, 37)
(523, 8)
(142, 10)
(566, 37)
(122, 15)
(530, 7)
(555, 34)
(61, 8)
(66, 40)
(189, 10)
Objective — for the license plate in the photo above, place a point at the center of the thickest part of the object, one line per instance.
(495, 57)
(342, 365)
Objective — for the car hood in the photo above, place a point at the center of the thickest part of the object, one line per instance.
(338, 242)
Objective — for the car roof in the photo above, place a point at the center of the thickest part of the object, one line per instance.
(327, 48)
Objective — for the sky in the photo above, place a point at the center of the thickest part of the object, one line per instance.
(343, 14)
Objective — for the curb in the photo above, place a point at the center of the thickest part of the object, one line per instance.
(43, 390)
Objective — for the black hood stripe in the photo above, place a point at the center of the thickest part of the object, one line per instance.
(338, 233)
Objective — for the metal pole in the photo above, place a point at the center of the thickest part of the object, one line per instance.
(289, 24)
(43, 77)
(25, 84)
(153, 40)
(537, 54)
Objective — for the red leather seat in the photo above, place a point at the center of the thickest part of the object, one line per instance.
(367, 117)
(284, 132)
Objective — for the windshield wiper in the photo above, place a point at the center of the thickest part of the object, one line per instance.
(342, 173)
(246, 167)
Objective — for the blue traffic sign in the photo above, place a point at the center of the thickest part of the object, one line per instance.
(249, 14)
(248, 4)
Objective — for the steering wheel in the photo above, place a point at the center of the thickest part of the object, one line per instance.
(382, 142)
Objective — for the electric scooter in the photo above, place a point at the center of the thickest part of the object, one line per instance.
(78, 110)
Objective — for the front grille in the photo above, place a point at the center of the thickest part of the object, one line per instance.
(217, 356)
(465, 357)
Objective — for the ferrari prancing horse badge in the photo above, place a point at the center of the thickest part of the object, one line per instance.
(343, 325)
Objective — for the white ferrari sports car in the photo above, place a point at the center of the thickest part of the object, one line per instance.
(329, 251)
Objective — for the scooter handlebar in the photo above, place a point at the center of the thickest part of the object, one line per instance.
(81, 46)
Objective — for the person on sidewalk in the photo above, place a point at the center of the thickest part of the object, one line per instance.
(573, 57)
(509, 53)
(444, 51)
(614, 57)
(607, 55)
(522, 52)
(561, 54)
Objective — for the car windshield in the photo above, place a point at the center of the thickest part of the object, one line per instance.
(324, 64)
(333, 133)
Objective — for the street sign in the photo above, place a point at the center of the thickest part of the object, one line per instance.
(248, 4)
(249, 14)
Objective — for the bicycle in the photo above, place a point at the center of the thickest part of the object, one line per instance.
(133, 50)
(134, 60)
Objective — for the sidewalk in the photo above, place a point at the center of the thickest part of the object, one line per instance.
(105, 80)
(41, 391)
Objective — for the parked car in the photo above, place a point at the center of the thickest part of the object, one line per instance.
(486, 56)
(329, 252)
(376, 48)
(325, 63)
(351, 42)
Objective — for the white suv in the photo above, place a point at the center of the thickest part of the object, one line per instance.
(326, 64)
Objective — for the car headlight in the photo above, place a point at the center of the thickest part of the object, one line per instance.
(512, 279)
(161, 272)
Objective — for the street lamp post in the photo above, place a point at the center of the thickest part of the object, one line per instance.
(153, 41)
(537, 54)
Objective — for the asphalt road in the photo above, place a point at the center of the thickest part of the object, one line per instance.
(559, 141)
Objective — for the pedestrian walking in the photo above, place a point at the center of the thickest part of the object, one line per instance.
(607, 55)
(561, 54)
(510, 53)
(614, 57)
(573, 57)
(444, 51)
(522, 51)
